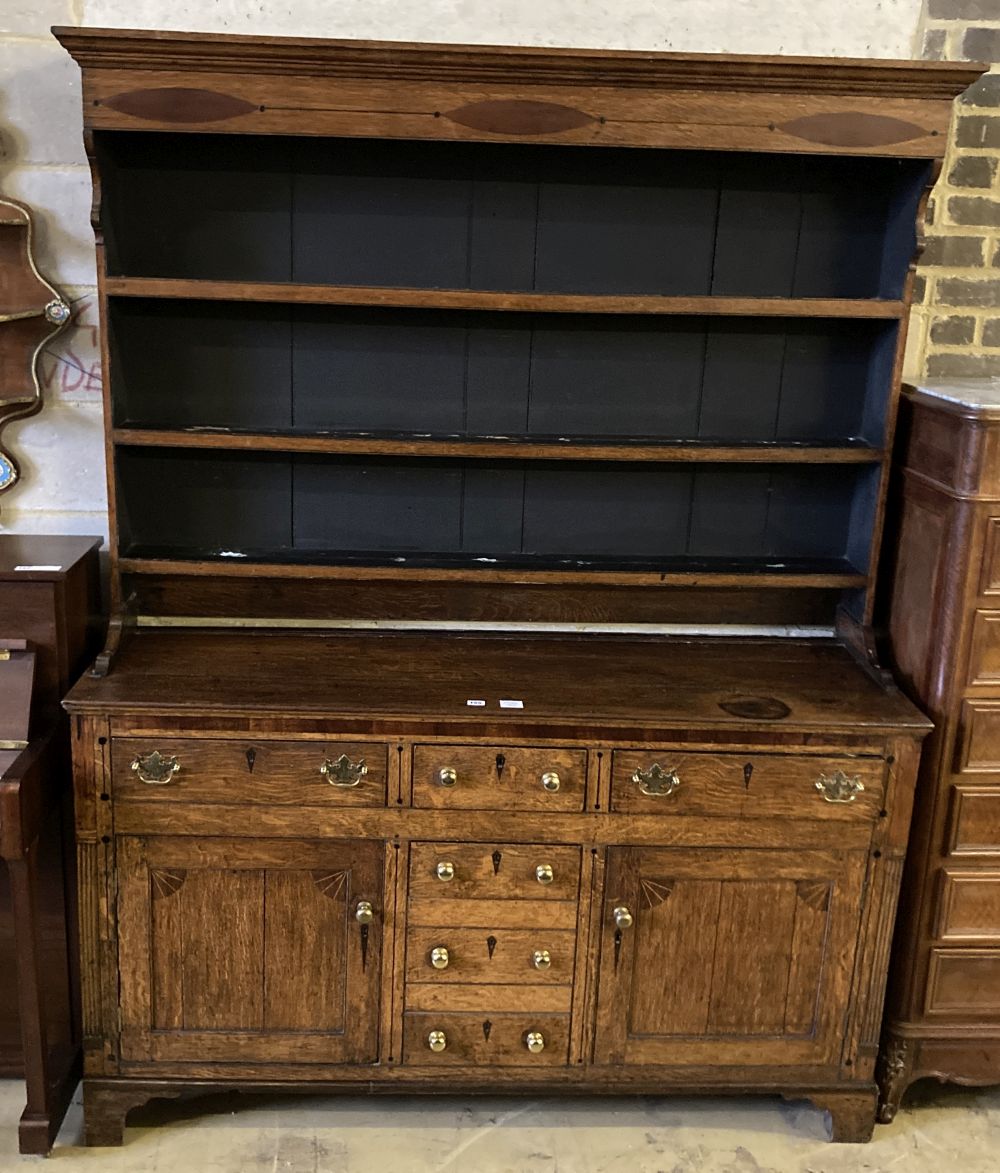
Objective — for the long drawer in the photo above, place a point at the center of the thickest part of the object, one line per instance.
(734, 786)
(301, 773)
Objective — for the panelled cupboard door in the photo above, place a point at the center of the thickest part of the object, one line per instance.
(249, 950)
(715, 957)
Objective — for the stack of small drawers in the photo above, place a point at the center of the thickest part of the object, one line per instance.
(491, 927)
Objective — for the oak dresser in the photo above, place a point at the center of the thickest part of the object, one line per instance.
(497, 443)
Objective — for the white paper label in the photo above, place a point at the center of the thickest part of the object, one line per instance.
(476, 704)
(512, 704)
(38, 568)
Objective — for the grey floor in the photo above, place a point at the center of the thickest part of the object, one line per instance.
(948, 1130)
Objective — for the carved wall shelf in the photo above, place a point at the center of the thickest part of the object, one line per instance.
(32, 312)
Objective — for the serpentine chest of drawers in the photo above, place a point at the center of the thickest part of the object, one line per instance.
(575, 373)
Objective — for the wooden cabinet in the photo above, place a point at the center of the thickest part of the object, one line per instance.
(726, 957)
(248, 950)
(497, 528)
(943, 1015)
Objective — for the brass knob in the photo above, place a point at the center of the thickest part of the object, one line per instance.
(364, 914)
(543, 873)
(437, 1040)
(541, 959)
(623, 918)
(439, 957)
(550, 781)
(447, 775)
(445, 871)
(535, 1042)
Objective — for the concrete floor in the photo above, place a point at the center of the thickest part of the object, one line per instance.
(945, 1130)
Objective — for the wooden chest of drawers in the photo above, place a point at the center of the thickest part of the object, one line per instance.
(300, 880)
(943, 1015)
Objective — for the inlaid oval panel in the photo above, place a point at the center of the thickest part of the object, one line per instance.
(852, 129)
(178, 104)
(518, 116)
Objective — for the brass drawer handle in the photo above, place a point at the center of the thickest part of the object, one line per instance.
(343, 772)
(534, 1040)
(439, 957)
(445, 871)
(656, 781)
(364, 914)
(551, 781)
(447, 776)
(541, 959)
(544, 873)
(155, 768)
(838, 787)
(437, 1040)
(623, 917)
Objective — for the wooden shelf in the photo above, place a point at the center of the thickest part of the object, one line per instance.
(681, 452)
(475, 299)
(323, 565)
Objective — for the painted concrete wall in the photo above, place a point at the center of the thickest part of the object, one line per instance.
(42, 160)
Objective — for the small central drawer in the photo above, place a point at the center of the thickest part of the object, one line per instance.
(301, 773)
(489, 777)
(455, 955)
(498, 1040)
(752, 785)
(493, 871)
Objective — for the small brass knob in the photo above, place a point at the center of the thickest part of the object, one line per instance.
(364, 914)
(541, 959)
(437, 1040)
(623, 918)
(543, 873)
(550, 781)
(439, 957)
(534, 1040)
(445, 871)
(447, 776)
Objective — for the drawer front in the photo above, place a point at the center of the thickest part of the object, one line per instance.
(975, 820)
(746, 786)
(969, 905)
(989, 583)
(478, 777)
(301, 773)
(454, 955)
(979, 740)
(493, 871)
(964, 982)
(984, 655)
(469, 1040)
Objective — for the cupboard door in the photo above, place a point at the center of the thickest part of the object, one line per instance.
(716, 957)
(249, 950)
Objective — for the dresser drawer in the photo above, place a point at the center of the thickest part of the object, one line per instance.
(964, 983)
(528, 956)
(975, 819)
(472, 1040)
(746, 786)
(309, 773)
(969, 905)
(481, 777)
(493, 871)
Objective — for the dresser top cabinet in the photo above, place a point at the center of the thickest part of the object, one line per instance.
(501, 334)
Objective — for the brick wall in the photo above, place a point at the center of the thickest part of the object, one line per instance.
(955, 329)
